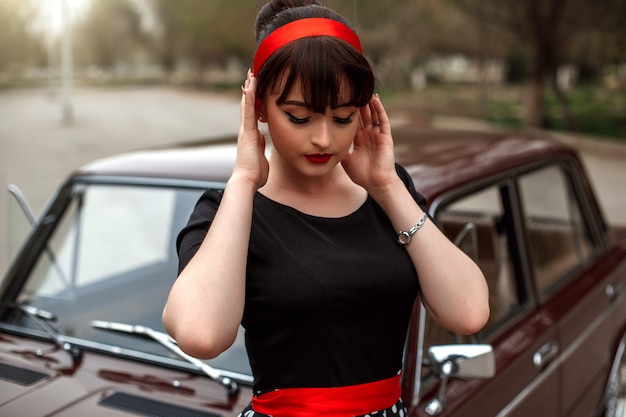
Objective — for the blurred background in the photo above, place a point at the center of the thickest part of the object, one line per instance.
(81, 79)
(549, 63)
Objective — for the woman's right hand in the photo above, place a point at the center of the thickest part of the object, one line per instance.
(251, 164)
(205, 306)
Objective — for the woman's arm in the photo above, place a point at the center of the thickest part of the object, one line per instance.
(205, 305)
(454, 289)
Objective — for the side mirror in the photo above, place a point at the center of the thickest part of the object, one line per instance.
(458, 361)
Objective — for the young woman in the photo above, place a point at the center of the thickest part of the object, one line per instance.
(303, 249)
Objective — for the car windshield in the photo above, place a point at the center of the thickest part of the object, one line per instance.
(112, 257)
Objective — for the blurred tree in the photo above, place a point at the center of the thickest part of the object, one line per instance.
(402, 36)
(20, 45)
(110, 34)
(396, 36)
(603, 35)
(537, 23)
(204, 32)
(550, 30)
(534, 36)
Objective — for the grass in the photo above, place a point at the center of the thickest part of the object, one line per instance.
(595, 111)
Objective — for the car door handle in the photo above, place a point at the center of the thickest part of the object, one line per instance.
(545, 355)
(613, 290)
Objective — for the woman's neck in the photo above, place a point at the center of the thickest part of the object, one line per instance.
(331, 195)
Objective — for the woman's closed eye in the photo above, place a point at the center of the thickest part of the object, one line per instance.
(302, 120)
(344, 120)
(297, 120)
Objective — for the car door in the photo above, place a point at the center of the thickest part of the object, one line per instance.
(485, 224)
(574, 280)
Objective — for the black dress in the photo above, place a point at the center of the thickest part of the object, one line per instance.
(328, 300)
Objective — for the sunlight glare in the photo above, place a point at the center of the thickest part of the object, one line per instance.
(52, 15)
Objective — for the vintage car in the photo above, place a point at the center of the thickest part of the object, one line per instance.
(80, 306)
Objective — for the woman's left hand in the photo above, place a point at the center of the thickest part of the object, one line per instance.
(371, 163)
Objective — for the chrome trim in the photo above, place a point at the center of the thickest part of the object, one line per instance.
(613, 374)
(545, 354)
(102, 348)
(147, 181)
(417, 383)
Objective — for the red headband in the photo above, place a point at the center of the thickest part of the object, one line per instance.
(299, 29)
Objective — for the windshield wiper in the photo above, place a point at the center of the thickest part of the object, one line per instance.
(43, 319)
(165, 340)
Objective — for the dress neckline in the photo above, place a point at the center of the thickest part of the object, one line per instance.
(313, 216)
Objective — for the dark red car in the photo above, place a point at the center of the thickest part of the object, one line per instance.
(80, 309)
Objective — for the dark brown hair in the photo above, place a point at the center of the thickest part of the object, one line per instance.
(322, 64)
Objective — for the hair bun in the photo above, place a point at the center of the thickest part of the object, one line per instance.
(274, 7)
(279, 5)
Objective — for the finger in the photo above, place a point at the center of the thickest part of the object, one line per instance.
(249, 121)
(366, 116)
(379, 114)
(242, 103)
(373, 113)
(248, 77)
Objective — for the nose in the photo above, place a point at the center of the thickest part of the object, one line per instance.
(322, 134)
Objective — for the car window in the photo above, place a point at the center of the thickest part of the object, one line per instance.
(108, 231)
(112, 257)
(138, 220)
(558, 238)
(478, 224)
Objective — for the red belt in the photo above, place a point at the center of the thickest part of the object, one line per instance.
(354, 400)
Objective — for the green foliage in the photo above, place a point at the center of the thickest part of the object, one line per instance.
(595, 111)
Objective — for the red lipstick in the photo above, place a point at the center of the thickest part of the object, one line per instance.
(319, 158)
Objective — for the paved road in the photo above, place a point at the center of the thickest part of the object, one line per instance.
(608, 175)
(37, 151)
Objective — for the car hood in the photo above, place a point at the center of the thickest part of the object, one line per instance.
(39, 379)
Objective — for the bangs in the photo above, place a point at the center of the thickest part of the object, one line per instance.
(330, 73)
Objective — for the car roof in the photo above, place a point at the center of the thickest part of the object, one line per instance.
(438, 160)
(210, 162)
